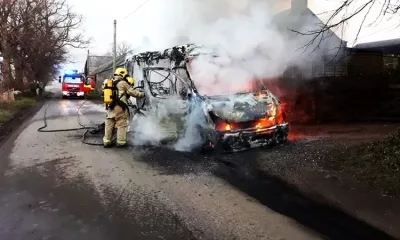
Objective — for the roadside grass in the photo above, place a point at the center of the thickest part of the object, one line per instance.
(376, 163)
(8, 110)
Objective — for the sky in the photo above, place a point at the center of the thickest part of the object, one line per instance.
(98, 17)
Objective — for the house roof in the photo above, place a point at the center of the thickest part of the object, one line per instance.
(109, 65)
(291, 19)
(384, 43)
(95, 62)
(391, 46)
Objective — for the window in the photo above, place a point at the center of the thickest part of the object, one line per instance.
(72, 80)
(390, 62)
(161, 82)
(88, 81)
(166, 82)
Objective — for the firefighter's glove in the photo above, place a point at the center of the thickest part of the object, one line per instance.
(142, 92)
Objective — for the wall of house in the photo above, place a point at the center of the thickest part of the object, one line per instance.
(101, 77)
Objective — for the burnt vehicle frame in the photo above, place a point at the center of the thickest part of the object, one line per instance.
(260, 128)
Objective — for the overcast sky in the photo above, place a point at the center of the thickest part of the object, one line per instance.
(99, 15)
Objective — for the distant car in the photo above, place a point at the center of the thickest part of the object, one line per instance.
(229, 122)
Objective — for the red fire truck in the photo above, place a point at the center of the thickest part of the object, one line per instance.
(73, 85)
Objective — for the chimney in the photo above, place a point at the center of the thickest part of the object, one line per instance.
(299, 6)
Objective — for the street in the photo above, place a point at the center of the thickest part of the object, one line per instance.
(55, 187)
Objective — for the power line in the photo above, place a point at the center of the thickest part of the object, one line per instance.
(139, 7)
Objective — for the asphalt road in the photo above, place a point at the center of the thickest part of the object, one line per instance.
(55, 187)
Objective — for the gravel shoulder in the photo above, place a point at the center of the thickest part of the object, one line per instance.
(305, 161)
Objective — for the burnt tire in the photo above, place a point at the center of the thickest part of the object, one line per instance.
(279, 137)
(209, 143)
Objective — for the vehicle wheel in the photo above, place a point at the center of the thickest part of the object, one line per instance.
(213, 145)
(284, 138)
(64, 97)
(280, 137)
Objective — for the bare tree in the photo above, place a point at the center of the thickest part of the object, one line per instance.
(347, 10)
(122, 48)
(6, 9)
(36, 36)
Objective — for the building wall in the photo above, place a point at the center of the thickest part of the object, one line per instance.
(101, 77)
(108, 73)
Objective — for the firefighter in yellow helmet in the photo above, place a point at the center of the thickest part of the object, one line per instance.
(131, 81)
(117, 111)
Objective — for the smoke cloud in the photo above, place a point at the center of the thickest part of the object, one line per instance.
(250, 39)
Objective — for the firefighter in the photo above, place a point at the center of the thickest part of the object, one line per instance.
(117, 111)
(131, 81)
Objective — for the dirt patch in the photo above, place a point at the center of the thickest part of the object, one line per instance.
(376, 163)
(13, 115)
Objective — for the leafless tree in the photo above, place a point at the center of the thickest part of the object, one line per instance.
(36, 36)
(6, 9)
(347, 10)
(122, 48)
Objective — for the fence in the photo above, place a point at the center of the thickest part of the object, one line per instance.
(7, 96)
(333, 99)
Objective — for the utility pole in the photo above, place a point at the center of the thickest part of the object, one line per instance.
(88, 63)
(115, 46)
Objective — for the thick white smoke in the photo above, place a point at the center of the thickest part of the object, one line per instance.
(251, 41)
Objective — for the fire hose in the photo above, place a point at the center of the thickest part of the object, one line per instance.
(92, 130)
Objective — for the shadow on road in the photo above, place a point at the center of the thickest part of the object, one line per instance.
(70, 208)
(242, 171)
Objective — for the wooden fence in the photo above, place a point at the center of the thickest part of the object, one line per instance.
(7, 96)
(333, 99)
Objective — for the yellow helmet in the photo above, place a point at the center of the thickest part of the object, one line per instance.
(131, 80)
(122, 72)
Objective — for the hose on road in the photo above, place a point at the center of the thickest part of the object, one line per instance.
(92, 130)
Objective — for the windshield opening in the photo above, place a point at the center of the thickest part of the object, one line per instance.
(73, 80)
(164, 82)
